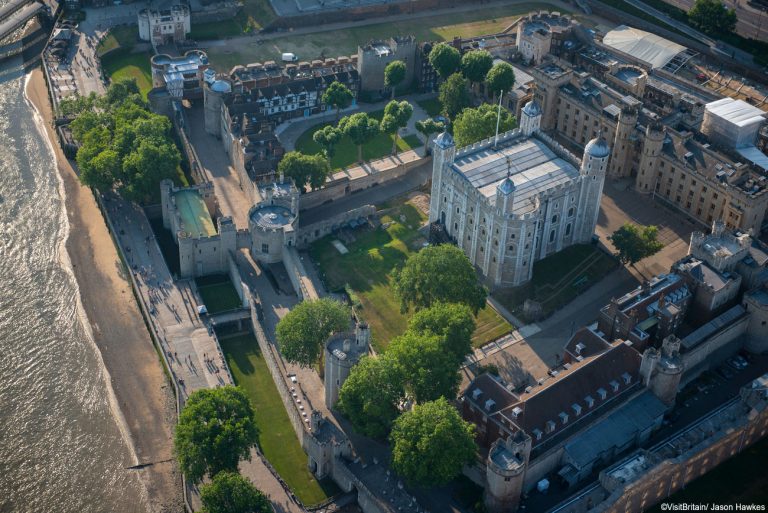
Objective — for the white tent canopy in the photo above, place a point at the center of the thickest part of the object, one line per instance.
(649, 48)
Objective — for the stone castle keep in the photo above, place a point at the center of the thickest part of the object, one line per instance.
(511, 202)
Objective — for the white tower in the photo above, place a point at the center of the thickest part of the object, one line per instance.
(594, 165)
(443, 155)
(530, 118)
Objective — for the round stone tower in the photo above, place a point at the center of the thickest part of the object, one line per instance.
(505, 473)
(594, 165)
(272, 222)
(649, 159)
(342, 352)
(214, 96)
(669, 369)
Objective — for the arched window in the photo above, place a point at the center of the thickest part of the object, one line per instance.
(571, 211)
(554, 219)
(568, 229)
(552, 236)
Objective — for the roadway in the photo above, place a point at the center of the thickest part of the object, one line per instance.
(751, 22)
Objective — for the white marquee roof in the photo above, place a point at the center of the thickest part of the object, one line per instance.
(737, 112)
(652, 49)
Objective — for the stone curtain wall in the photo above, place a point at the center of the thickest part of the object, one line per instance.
(237, 281)
(344, 187)
(298, 274)
(275, 369)
(311, 233)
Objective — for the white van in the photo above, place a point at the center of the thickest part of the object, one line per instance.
(290, 57)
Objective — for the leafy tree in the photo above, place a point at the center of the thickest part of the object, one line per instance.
(328, 137)
(75, 105)
(438, 274)
(445, 59)
(635, 242)
(430, 372)
(500, 78)
(121, 90)
(394, 74)
(229, 492)
(216, 429)
(476, 64)
(454, 95)
(145, 167)
(427, 127)
(473, 125)
(371, 395)
(361, 128)
(713, 17)
(305, 169)
(339, 96)
(431, 444)
(451, 321)
(102, 170)
(302, 333)
(396, 116)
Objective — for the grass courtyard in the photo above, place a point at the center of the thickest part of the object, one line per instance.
(118, 37)
(121, 64)
(559, 278)
(218, 293)
(346, 151)
(367, 268)
(277, 440)
(344, 42)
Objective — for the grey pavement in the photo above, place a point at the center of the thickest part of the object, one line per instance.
(190, 346)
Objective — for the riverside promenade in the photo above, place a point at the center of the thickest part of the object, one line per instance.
(190, 347)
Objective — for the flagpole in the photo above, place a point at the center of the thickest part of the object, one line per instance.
(498, 119)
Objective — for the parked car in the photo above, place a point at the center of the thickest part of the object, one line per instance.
(289, 57)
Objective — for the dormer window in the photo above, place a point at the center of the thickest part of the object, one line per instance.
(516, 411)
(576, 409)
(627, 377)
(590, 401)
(476, 393)
(550, 426)
(563, 417)
(580, 347)
(614, 385)
(603, 393)
(489, 404)
(538, 434)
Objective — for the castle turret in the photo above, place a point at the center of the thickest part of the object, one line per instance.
(620, 165)
(593, 168)
(649, 159)
(505, 473)
(214, 96)
(444, 153)
(342, 352)
(530, 118)
(665, 377)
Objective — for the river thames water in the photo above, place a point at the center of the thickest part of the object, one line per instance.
(61, 448)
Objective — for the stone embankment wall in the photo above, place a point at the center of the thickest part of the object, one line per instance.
(298, 274)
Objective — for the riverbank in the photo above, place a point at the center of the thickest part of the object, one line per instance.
(143, 394)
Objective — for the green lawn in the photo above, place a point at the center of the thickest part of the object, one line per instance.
(432, 106)
(277, 439)
(344, 42)
(346, 151)
(559, 278)
(123, 64)
(218, 293)
(118, 37)
(367, 268)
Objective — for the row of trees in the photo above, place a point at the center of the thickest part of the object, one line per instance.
(123, 144)
(360, 128)
(216, 430)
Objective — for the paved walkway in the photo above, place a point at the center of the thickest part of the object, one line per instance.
(189, 345)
